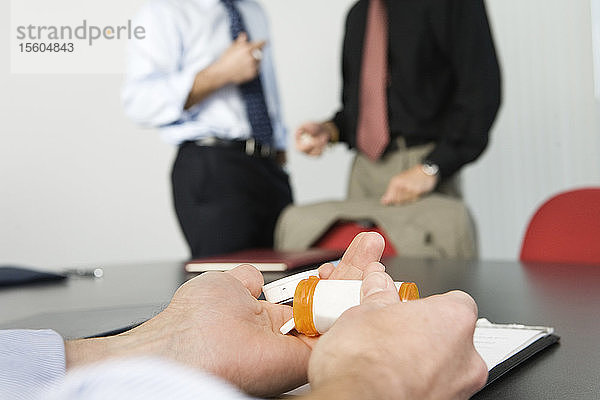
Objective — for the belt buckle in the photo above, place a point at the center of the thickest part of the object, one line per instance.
(207, 141)
(266, 151)
(250, 147)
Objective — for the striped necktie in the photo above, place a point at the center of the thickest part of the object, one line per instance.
(372, 136)
(252, 91)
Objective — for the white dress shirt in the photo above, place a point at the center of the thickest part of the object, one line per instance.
(184, 37)
(141, 379)
(32, 367)
(30, 362)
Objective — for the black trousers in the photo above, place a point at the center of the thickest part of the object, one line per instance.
(226, 200)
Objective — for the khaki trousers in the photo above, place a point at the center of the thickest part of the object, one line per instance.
(436, 226)
(370, 179)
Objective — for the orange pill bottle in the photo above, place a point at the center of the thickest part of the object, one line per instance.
(318, 303)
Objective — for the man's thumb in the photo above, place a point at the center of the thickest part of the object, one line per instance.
(378, 288)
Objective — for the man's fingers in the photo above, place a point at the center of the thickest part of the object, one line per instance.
(315, 151)
(366, 248)
(258, 45)
(378, 288)
(326, 270)
(305, 140)
(250, 277)
(373, 267)
(278, 313)
(299, 132)
(396, 196)
(242, 38)
(462, 298)
(256, 51)
(389, 196)
(459, 306)
(304, 129)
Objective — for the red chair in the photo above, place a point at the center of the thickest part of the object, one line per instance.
(565, 229)
(339, 236)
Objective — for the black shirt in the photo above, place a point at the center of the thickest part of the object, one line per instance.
(444, 79)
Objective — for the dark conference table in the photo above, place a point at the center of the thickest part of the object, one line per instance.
(566, 297)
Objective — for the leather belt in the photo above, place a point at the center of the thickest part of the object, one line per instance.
(249, 146)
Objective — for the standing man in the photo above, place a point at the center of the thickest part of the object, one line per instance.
(421, 88)
(204, 76)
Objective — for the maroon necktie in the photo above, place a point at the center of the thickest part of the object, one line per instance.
(373, 128)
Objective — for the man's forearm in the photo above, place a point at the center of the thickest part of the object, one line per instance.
(145, 342)
(206, 82)
(351, 388)
(85, 351)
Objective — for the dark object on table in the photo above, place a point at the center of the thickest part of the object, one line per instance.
(16, 276)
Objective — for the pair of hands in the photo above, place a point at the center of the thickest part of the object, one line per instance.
(215, 323)
(312, 138)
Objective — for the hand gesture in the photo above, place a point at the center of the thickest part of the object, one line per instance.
(311, 138)
(215, 323)
(408, 186)
(240, 63)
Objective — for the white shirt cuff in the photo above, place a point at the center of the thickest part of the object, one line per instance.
(30, 362)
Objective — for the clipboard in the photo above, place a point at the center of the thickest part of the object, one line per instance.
(505, 346)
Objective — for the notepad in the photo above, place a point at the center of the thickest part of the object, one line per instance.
(264, 260)
(504, 346)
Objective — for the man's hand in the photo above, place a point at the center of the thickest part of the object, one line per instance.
(240, 63)
(215, 323)
(408, 186)
(385, 349)
(361, 258)
(312, 138)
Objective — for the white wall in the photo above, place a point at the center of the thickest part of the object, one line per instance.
(82, 185)
(547, 136)
(307, 38)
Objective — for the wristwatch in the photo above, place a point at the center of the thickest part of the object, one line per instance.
(430, 168)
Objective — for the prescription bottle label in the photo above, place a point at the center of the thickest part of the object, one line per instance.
(319, 303)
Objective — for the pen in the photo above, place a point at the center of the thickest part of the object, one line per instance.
(85, 273)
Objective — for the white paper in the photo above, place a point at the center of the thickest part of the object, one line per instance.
(496, 343)
(282, 290)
